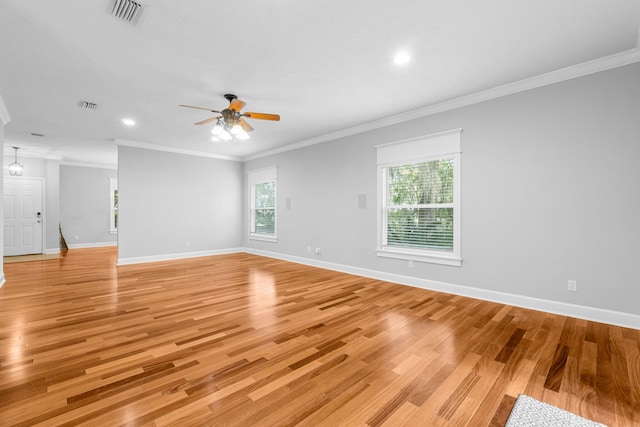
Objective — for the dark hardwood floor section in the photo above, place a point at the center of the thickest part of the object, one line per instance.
(251, 341)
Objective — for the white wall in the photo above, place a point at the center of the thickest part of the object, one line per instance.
(167, 200)
(85, 207)
(549, 193)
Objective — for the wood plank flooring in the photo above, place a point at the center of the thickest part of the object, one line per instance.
(242, 340)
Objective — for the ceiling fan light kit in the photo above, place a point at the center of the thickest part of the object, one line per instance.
(230, 123)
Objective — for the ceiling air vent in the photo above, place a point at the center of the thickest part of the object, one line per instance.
(126, 10)
(88, 105)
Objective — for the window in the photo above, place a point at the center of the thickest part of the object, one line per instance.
(262, 201)
(113, 205)
(419, 203)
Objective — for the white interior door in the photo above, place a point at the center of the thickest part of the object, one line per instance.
(23, 216)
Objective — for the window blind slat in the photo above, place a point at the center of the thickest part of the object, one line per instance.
(430, 228)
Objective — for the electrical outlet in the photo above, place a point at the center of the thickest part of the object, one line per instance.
(187, 244)
(309, 249)
(410, 263)
(76, 237)
(572, 285)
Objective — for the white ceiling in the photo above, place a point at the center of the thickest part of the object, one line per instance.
(323, 66)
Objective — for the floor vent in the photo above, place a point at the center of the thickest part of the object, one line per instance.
(126, 10)
(88, 105)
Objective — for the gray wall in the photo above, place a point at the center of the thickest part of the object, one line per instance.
(52, 205)
(2, 278)
(167, 199)
(85, 205)
(549, 193)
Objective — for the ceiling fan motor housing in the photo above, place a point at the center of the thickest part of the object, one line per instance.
(231, 117)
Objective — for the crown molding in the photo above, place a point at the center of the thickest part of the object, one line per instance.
(90, 165)
(155, 147)
(4, 113)
(25, 152)
(574, 71)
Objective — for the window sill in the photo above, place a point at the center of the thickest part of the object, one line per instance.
(263, 238)
(412, 256)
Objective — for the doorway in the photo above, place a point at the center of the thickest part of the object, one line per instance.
(23, 216)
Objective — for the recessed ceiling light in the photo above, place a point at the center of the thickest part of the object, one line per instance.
(129, 122)
(401, 58)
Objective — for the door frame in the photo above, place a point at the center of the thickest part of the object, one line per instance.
(8, 178)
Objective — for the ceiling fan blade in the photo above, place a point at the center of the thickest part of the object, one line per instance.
(204, 122)
(246, 126)
(262, 116)
(237, 105)
(199, 108)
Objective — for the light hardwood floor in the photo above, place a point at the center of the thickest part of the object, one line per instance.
(252, 341)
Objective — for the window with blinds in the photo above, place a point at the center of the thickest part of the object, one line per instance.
(418, 199)
(264, 221)
(262, 200)
(419, 202)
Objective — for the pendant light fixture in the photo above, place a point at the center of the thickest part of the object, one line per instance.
(15, 168)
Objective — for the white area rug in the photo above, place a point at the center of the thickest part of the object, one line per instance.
(529, 412)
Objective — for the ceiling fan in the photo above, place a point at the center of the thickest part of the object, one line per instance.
(231, 120)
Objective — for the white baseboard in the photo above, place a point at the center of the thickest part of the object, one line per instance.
(91, 245)
(52, 251)
(183, 255)
(617, 318)
(2, 279)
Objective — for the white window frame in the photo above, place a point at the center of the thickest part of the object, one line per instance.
(113, 186)
(419, 150)
(255, 177)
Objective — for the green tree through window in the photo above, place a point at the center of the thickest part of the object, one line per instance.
(115, 207)
(419, 205)
(263, 188)
(265, 208)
